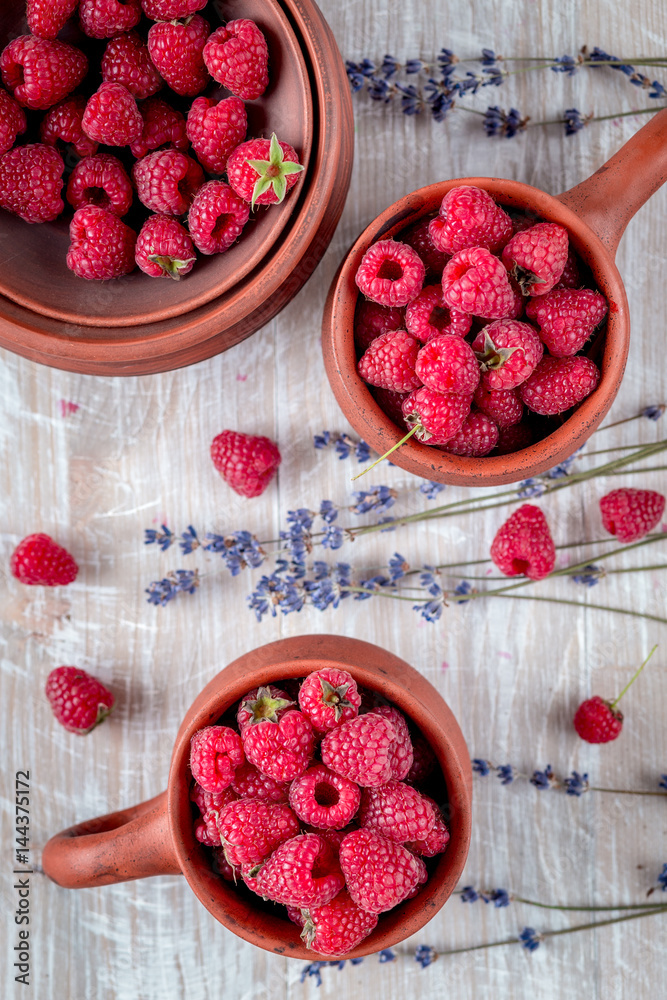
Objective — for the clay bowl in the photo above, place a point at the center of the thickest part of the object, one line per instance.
(135, 324)
(595, 213)
(156, 837)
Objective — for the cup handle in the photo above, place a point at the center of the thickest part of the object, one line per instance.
(608, 199)
(121, 846)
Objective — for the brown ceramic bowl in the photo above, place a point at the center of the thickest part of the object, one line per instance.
(595, 213)
(136, 324)
(156, 837)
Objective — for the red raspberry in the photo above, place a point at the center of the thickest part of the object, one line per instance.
(323, 798)
(419, 238)
(630, 514)
(597, 722)
(437, 415)
(126, 61)
(436, 839)
(283, 749)
(508, 352)
(469, 217)
(105, 18)
(567, 317)
(391, 403)
(100, 180)
(246, 462)
(262, 171)
(523, 544)
(177, 52)
(237, 57)
(474, 281)
(217, 217)
(37, 559)
(101, 246)
(360, 749)
(400, 752)
(570, 278)
(448, 363)
(379, 873)
(249, 783)
(371, 320)
(336, 927)
(63, 122)
(477, 437)
(329, 697)
(170, 10)
(31, 181)
(423, 762)
(503, 406)
(164, 248)
(163, 126)
(333, 837)
(12, 121)
(427, 316)
(40, 72)
(397, 812)
(250, 830)
(536, 257)
(390, 273)
(514, 438)
(112, 116)
(206, 830)
(210, 804)
(78, 700)
(559, 383)
(301, 872)
(47, 17)
(222, 867)
(167, 181)
(390, 361)
(215, 753)
(269, 702)
(215, 129)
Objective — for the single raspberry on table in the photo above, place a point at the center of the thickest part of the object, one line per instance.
(436, 839)
(78, 700)
(419, 238)
(597, 722)
(106, 18)
(100, 180)
(474, 281)
(215, 129)
(269, 702)
(508, 352)
(477, 436)
(38, 560)
(437, 416)
(164, 248)
(536, 257)
(389, 362)
(469, 217)
(514, 438)
(112, 116)
(246, 462)
(303, 871)
(39, 73)
(215, 753)
(390, 273)
(176, 49)
(523, 545)
(62, 123)
(400, 751)
(360, 749)
(396, 811)
(379, 873)
(503, 406)
(371, 320)
(334, 928)
(323, 798)
(630, 513)
(559, 383)
(329, 697)
(249, 783)
(217, 217)
(237, 56)
(31, 181)
(47, 17)
(126, 61)
(448, 363)
(12, 121)
(427, 316)
(167, 181)
(101, 245)
(262, 171)
(170, 10)
(282, 750)
(567, 317)
(163, 127)
(250, 830)
(391, 403)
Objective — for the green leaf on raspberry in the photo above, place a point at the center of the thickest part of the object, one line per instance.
(272, 172)
(265, 706)
(171, 266)
(492, 357)
(526, 279)
(309, 930)
(335, 698)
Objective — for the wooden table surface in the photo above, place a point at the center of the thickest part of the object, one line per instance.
(95, 461)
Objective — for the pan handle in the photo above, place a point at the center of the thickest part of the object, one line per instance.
(608, 199)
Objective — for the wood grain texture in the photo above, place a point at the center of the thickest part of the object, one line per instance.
(135, 454)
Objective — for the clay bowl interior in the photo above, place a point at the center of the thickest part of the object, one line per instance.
(250, 918)
(608, 348)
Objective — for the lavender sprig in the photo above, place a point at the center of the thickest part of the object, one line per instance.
(574, 785)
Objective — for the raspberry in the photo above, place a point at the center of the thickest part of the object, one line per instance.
(323, 798)
(31, 181)
(597, 722)
(437, 415)
(249, 783)
(101, 246)
(379, 873)
(570, 278)
(170, 10)
(126, 61)
(390, 361)
(100, 180)
(329, 697)
(78, 700)
(566, 318)
(469, 217)
(215, 753)
(167, 180)
(163, 126)
(477, 436)
(523, 544)
(630, 514)
(448, 364)
(105, 18)
(210, 804)
(360, 749)
(391, 403)
(47, 17)
(262, 171)
(215, 128)
(559, 383)
(40, 72)
(418, 237)
(436, 839)
(262, 703)
(390, 273)
(536, 257)
(303, 871)
(514, 438)
(12, 121)
(503, 406)
(335, 928)
(250, 830)
(206, 830)
(237, 57)
(63, 122)
(164, 248)
(112, 116)
(508, 352)
(423, 762)
(37, 559)
(222, 867)
(283, 749)
(217, 217)
(177, 52)
(474, 281)
(400, 751)
(427, 316)
(246, 462)
(371, 320)
(397, 812)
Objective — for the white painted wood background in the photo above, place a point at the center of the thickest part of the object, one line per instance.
(135, 453)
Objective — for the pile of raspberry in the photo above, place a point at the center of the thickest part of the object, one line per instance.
(472, 323)
(313, 797)
(113, 111)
